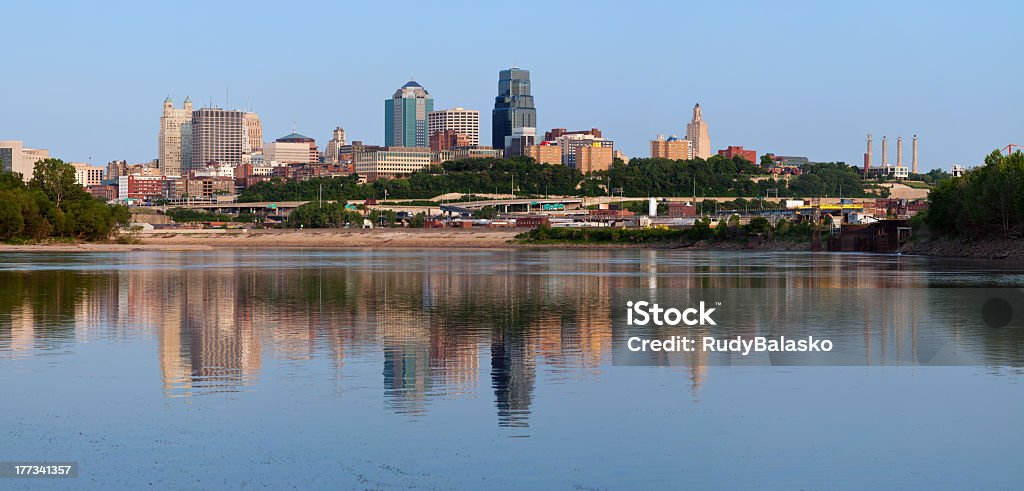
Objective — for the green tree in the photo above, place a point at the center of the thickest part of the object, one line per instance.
(487, 212)
(11, 222)
(57, 180)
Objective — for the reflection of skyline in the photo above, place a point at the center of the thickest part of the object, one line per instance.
(429, 319)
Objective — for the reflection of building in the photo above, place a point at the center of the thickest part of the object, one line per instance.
(513, 370)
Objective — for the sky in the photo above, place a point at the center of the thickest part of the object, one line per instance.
(87, 80)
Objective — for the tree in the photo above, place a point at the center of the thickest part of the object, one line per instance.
(11, 222)
(486, 212)
(56, 179)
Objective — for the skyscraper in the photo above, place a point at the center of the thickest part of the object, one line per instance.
(697, 133)
(174, 149)
(513, 109)
(405, 116)
(331, 154)
(253, 133)
(217, 136)
(463, 121)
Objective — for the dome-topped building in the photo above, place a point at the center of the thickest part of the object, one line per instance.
(405, 116)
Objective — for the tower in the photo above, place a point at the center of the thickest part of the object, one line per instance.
(885, 154)
(514, 116)
(867, 158)
(697, 134)
(899, 151)
(174, 147)
(405, 116)
(913, 156)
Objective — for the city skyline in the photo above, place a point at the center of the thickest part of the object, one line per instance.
(934, 71)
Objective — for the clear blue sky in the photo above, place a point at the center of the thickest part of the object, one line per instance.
(796, 78)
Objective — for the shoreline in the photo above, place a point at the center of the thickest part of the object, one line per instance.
(481, 238)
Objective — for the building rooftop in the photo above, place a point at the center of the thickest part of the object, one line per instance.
(294, 137)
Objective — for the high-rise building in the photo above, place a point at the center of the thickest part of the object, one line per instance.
(697, 133)
(594, 157)
(459, 120)
(217, 136)
(571, 142)
(405, 116)
(545, 153)
(253, 133)
(14, 157)
(557, 132)
(513, 108)
(331, 154)
(673, 148)
(174, 146)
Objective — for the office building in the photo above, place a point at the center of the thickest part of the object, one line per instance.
(331, 153)
(405, 116)
(458, 120)
(739, 151)
(448, 139)
(217, 137)
(253, 133)
(391, 162)
(174, 146)
(557, 132)
(459, 153)
(545, 153)
(292, 148)
(513, 109)
(673, 148)
(14, 157)
(88, 175)
(571, 142)
(697, 134)
(593, 157)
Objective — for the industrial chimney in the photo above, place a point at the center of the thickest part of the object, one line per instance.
(885, 154)
(867, 158)
(899, 151)
(914, 156)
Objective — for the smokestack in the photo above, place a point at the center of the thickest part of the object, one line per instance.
(899, 151)
(914, 156)
(867, 157)
(885, 153)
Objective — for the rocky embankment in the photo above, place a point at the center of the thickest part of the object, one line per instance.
(981, 249)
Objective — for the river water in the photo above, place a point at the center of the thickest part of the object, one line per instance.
(489, 368)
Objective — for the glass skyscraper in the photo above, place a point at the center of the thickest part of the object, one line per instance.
(405, 117)
(513, 108)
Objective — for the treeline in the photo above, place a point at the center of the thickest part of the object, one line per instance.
(641, 177)
(724, 231)
(187, 215)
(52, 205)
(336, 215)
(986, 202)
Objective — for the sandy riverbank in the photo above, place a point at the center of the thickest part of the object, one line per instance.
(327, 238)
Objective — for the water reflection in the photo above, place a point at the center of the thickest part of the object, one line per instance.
(439, 323)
